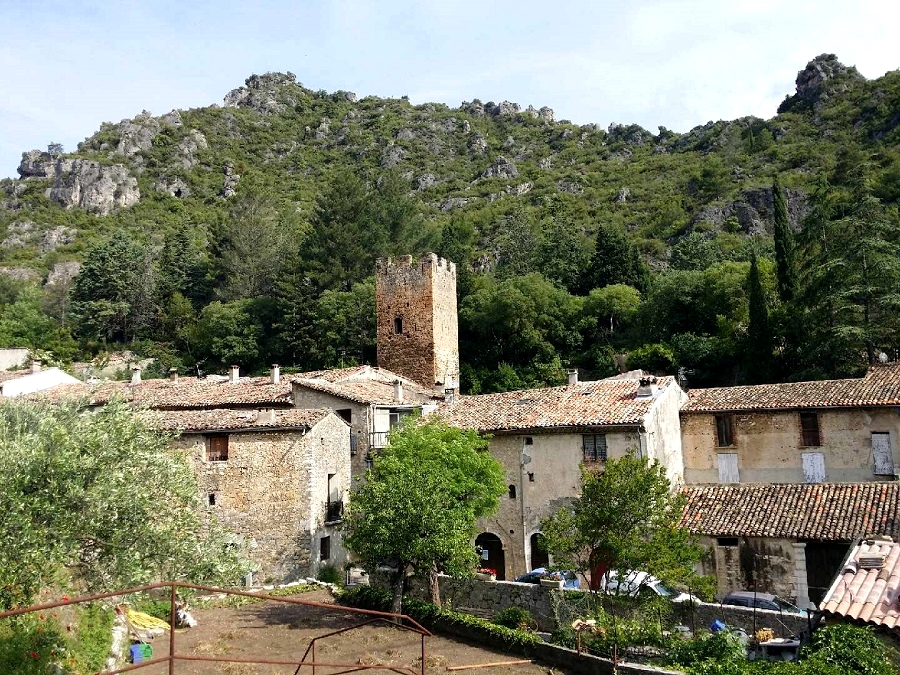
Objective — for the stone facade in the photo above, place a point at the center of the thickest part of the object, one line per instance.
(770, 448)
(417, 330)
(272, 490)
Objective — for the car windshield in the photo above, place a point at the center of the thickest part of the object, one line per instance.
(786, 606)
(665, 591)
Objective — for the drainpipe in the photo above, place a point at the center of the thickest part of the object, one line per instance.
(523, 460)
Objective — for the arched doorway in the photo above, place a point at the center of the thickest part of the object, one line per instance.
(539, 555)
(492, 554)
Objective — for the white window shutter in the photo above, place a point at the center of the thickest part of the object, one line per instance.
(884, 456)
(813, 467)
(728, 468)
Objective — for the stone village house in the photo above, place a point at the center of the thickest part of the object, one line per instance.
(543, 436)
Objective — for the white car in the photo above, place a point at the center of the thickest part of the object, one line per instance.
(633, 582)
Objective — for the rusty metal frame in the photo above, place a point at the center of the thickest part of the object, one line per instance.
(401, 621)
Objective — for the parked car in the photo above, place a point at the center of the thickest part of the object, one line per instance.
(762, 601)
(634, 582)
(538, 573)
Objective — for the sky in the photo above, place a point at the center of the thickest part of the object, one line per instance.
(66, 66)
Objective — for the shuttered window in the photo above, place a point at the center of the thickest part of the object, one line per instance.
(724, 431)
(809, 429)
(217, 448)
(813, 467)
(883, 454)
(728, 467)
(594, 446)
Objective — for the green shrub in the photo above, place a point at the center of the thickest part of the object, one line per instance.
(330, 574)
(30, 645)
(93, 638)
(854, 649)
(515, 617)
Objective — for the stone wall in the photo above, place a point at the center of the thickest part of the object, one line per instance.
(770, 563)
(271, 491)
(769, 446)
(663, 436)
(699, 616)
(360, 424)
(419, 299)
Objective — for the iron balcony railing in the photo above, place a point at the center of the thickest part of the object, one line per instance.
(378, 439)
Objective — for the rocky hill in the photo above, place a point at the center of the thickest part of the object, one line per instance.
(508, 182)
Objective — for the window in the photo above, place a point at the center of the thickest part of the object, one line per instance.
(809, 429)
(884, 456)
(728, 467)
(324, 548)
(724, 431)
(530, 477)
(594, 447)
(727, 541)
(512, 491)
(529, 440)
(217, 448)
(398, 325)
(813, 467)
(211, 498)
(344, 414)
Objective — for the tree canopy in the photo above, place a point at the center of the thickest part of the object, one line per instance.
(98, 498)
(418, 504)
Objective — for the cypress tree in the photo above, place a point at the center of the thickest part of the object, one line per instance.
(617, 261)
(759, 332)
(786, 267)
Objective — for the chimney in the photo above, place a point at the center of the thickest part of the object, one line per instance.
(276, 374)
(572, 375)
(398, 391)
(135, 374)
(173, 374)
(647, 387)
(266, 416)
(235, 374)
(36, 366)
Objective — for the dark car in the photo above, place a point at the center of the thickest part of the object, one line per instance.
(538, 573)
(762, 601)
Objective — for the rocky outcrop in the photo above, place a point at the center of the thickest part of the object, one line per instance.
(19, 273)
(187, 149)
(173, 186)
(230, 181)
(18, 234)
(56, 237)
(478, 144)
(425, 181)
(452, 203)
(823, 78)
(756, 209)
(23, 233)
(262, 93)
(36, 164)
(622, 195)
(392, 156)
(501, 168)
(137, 135)
(62, 273)
(545, 114)
(94, 187)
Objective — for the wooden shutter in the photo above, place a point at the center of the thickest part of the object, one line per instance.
(728, 468)
(813, 467)
(884, 456)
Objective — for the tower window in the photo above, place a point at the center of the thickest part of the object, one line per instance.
(212, 498)
(512, 491)
(398, 325)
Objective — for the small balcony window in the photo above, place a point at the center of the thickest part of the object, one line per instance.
(217, 448)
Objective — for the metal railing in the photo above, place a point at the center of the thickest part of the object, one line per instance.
(378, 439)
(386, 618)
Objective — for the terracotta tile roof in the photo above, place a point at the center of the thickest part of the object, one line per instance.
(363, 384)
(823, 511)
(869, 595)
(586, 404)
(226, 419)
(880, 386)
(186, 392)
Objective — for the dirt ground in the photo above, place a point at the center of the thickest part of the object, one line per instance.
(281, 631)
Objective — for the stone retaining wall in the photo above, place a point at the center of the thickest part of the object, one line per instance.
(701, 615)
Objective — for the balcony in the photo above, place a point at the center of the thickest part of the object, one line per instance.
(334, 512)
(378, 439)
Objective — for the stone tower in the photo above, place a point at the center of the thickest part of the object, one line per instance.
(418, 336)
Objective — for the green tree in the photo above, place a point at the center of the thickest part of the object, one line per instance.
(695, 252)
(564, 252)
(419, 503)
(228, 334)
(99, 497)
(616, 261)
(786, 264)
(611, 308)
(626, 518)
(759, 331)
(114, 294)
(345, 326)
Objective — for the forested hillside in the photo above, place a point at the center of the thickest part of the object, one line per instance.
(247, 233)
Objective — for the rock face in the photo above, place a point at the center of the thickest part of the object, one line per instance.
(501, 168)
(230, 181)
(261, 92)
(137, 134)
(755, 209)
(36, 164)
(62, 273)
(816, 80)
(175, 187)
(19, 273)
(392, 156)
(93, 187)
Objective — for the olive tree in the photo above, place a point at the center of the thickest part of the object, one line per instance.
(99, 500)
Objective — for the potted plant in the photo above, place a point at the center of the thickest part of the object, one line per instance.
(553, 580)
(486, 574)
